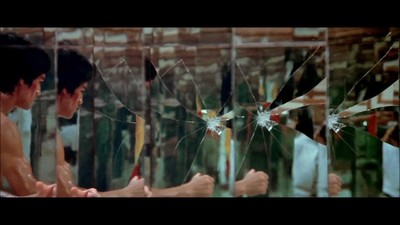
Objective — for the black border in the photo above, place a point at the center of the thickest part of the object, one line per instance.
(203, 14)
(190, 210)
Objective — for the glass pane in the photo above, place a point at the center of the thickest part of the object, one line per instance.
(119, 108)
(190, 102)
(363, 108)
(280, 101)
(75, 150)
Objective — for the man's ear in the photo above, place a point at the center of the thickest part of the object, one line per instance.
(19, 85)
(64, 91)
(21, 82)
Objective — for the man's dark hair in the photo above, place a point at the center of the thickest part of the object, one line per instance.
(305, 123)
(19, 59)
(73, 69)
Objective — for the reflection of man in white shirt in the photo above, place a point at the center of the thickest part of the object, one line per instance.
(310, 164)
(308, 161)
(391, 170)
(391, 163)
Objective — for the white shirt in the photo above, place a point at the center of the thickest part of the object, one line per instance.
(69, 135)
(391, 170)
(309, 160)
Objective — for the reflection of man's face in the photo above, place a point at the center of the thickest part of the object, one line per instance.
(29, 93)
(78, 96)
(70, 104)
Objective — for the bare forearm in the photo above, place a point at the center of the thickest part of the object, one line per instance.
(116, 193)
(239, 188)
(64, 181)
(64, 188)
(22, 181)
(179, 191)
(26, 188)
(135, 188)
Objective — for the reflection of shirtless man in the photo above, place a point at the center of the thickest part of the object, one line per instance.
(310, 163)
(74, 72)
(23, 70)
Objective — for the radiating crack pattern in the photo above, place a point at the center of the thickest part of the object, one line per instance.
(214, 124)
(263, 119)
(333, 123)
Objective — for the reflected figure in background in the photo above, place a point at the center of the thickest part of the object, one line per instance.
(254, 182)
(308, 164)
(74, 73)
(24, 68)
(305, 159)
(391, 162)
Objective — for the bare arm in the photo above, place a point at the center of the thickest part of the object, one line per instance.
(43, 190)
(65, 187)
(14, 167)
(64, 175)
(254, 183)
(199, 186)
(135, 188)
